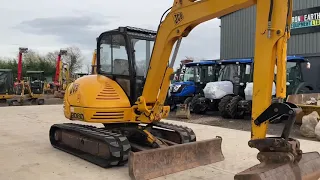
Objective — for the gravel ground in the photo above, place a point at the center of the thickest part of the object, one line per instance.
(213, 119)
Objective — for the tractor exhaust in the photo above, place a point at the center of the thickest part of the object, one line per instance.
(158, 162)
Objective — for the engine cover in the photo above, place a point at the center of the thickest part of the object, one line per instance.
(96, 98)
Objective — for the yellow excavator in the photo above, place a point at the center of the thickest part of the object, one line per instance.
(62, 76)
(128, 91)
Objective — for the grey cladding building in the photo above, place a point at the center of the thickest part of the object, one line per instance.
(238, 34)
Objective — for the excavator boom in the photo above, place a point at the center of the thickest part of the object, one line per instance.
(131, 114)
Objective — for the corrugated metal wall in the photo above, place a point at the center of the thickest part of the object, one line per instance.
(238, 33)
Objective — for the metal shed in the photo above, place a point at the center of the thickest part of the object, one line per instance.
(238, 34)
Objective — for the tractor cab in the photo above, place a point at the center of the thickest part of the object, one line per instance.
(194, 79)
(6, 83)
(238, 72)
(232, 79)
(35, 79)
(295, 81)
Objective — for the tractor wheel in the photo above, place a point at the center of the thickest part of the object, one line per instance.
(198, 107)
(193, 102)
(232, 108)
(222, 105)
(188, 100)
(40, 101)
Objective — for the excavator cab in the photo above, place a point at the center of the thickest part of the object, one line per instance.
(35, 80)
(124, 57)
(6, 84)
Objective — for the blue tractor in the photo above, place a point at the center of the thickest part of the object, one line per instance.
(194, 79)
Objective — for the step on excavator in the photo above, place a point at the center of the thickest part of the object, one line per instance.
(128, 92)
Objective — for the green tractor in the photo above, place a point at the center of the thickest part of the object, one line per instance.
(296, 84)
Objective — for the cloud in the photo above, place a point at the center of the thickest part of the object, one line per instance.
(76, 30)
(50, 25)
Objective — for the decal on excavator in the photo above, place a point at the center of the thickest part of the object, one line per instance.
(74, 88)
(178, 17)
(78, 116)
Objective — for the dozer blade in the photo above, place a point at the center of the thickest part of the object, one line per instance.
(307, 169)
(158, 162)
(183, 111)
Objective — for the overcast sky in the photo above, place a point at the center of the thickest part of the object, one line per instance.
(44, 25)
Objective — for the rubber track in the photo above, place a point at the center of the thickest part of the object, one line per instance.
(187, 135)
(119, 145)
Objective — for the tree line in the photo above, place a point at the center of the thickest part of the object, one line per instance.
(33, 61)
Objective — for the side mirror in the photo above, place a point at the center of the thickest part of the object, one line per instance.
(288, 83)
(308, 65)
(248, 68)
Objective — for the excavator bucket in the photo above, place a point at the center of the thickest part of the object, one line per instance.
(281, 157)
(183, 111)
(308, 168)
(158, 162)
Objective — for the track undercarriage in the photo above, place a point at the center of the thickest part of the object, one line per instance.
(151, 150)
(110, 146)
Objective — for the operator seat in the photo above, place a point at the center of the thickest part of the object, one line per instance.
(121, 67)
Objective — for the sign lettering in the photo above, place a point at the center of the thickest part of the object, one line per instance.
(306, 21)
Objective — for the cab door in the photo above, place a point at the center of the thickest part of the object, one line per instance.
(114, 61)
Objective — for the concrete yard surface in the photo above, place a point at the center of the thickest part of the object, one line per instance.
(26, 152)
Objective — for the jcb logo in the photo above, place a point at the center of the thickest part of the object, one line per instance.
(178, 17)
(74, 88)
